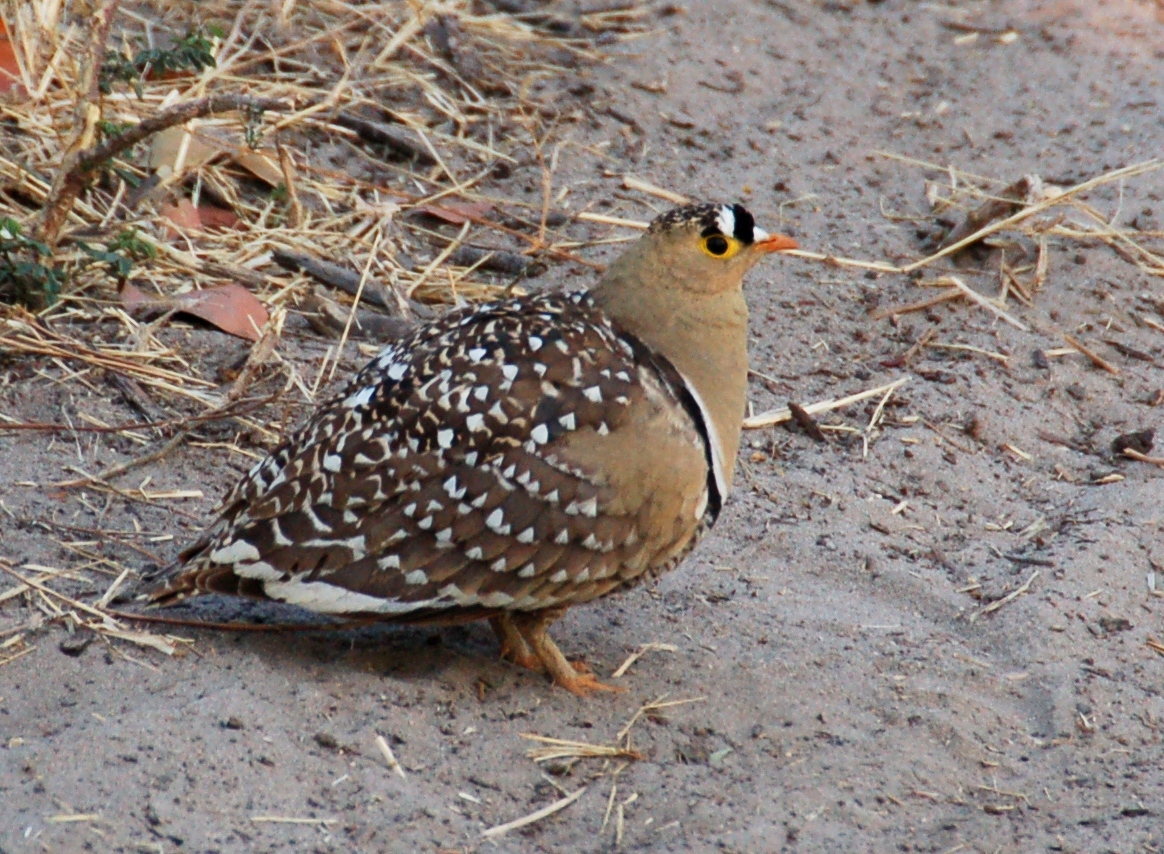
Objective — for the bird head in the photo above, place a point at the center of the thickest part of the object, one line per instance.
(691, 252)
(707, 248)
(689, 255)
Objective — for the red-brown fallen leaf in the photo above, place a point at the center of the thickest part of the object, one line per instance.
(232, 308)
(169, 74)
(457, 213)
(216, 218)
(9, 69)
(187, 217)
(182, 214)
(134, 298)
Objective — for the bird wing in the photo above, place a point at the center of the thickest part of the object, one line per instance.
(501, 458)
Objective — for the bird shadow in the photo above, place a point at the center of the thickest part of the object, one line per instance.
(284, 635)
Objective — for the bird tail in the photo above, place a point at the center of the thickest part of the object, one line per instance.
(189, 576)
(202, 579)
(180, 580)
(171, 591)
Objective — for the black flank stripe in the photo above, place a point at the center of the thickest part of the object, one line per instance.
(678, 387)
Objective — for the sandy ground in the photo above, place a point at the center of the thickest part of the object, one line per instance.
(845, 694)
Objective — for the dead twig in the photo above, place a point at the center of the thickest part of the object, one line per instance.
(976, 297)
(86, 115)
(80, 166)
(1095, 358)
(779, 416)
(558, 748)
(1007, 599)
(630, 182)
(498, 260)
(536, 816)
(651, 707)
(404, 141)
(1133, 454)
(807, 423)
(390, 757)
(639, 653)
(922, 305)
(334, 275)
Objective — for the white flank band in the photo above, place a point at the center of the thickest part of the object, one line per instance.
(330, 599)
(717, 462)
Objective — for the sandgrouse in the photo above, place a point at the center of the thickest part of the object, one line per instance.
(512, 459)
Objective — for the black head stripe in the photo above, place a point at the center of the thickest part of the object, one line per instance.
(745, 225)
(710, 219)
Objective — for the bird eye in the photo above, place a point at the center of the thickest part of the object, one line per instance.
(716, 244)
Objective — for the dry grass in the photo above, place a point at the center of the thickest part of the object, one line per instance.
(985, 209)
(382, 128)
(454, 92)
(557, 748)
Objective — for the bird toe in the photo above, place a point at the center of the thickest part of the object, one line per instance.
(584, 684)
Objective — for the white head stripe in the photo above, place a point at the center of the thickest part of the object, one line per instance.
(759, 234)
(727, 221)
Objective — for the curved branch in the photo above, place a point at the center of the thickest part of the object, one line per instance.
(79, 167)
(90, 161)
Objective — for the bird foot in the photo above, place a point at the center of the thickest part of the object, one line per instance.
(524, 641)
(582, 684)
(523, 658)
(575, 675)
(513, 645)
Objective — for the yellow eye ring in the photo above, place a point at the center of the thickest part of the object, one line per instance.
(720, 246)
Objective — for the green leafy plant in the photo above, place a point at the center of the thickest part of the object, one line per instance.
(24, 277)
(121, 252)
(133, 246)
(109, 129)
(192, 52)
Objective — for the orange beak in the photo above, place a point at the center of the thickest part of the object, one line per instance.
(775, 243)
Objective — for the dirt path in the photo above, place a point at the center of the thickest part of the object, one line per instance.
(846, 692)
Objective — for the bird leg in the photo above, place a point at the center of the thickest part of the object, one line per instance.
(513, 645)
(532, 627)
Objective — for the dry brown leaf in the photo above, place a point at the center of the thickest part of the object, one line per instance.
(167, 148)
(263, 163)
(231, 307)
(204, 143)
(216, 218)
